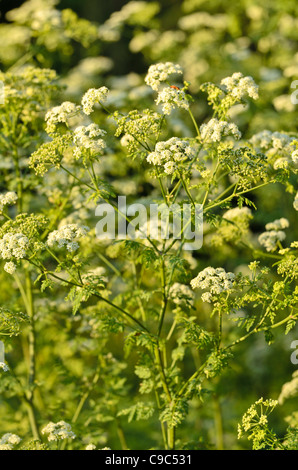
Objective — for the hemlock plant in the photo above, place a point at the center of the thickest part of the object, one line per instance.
(171, 319)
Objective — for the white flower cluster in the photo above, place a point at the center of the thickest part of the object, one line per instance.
(294, 157)
(90, 447)
(172, 98)
(252, 418)
(214, 130)
(281, 164)
(289, 389)
(216, 280)
(66, 236)
(7, 199)
(275, 141)
(234, 226)
(237, 213)
(42, 18)
(93, 447)
(170, 153)
(181, 294)
(274, 234)
(88, 138)
(126, 140)
(158, 73)
(10, 267)
(8, 441)
(14, 245)
(239, 86)
(58, 431)
(279, 224)
(60, 114)
(4, 367)
(295, 203)
(93, 96)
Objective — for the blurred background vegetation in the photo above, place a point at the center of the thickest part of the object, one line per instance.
(211, 40)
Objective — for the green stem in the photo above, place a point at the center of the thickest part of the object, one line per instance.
(32, 420)
(19, 180)
(32, 361)
(159, 364)
(109, 264)
(165, 299)
(172, 330)
(211, 206)
(163, 378)
(172, 438)
(162, 425)
(81, 405)
(195, 123)
(218, 424)
(85, 398)
(121, 310)
(121, 435)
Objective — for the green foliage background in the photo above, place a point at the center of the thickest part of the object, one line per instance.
(257, 39)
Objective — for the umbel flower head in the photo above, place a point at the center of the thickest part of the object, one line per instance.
(234, 226)
(294, 157)
(255, 422)
(171, 98)
(66, 236)
(275, 143)
(10, 267)
(170, 153)
(238, 86)
(90, 447)
(89, 138)
(60, 114)
(215, 130)
(279, 224)
(158, 73)
(289, 389)
(181, 294)
(92, 97)
(8, 441)
(58, 431)
(7, 199)
(14, 245)
(215, 281)
(274, 234)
